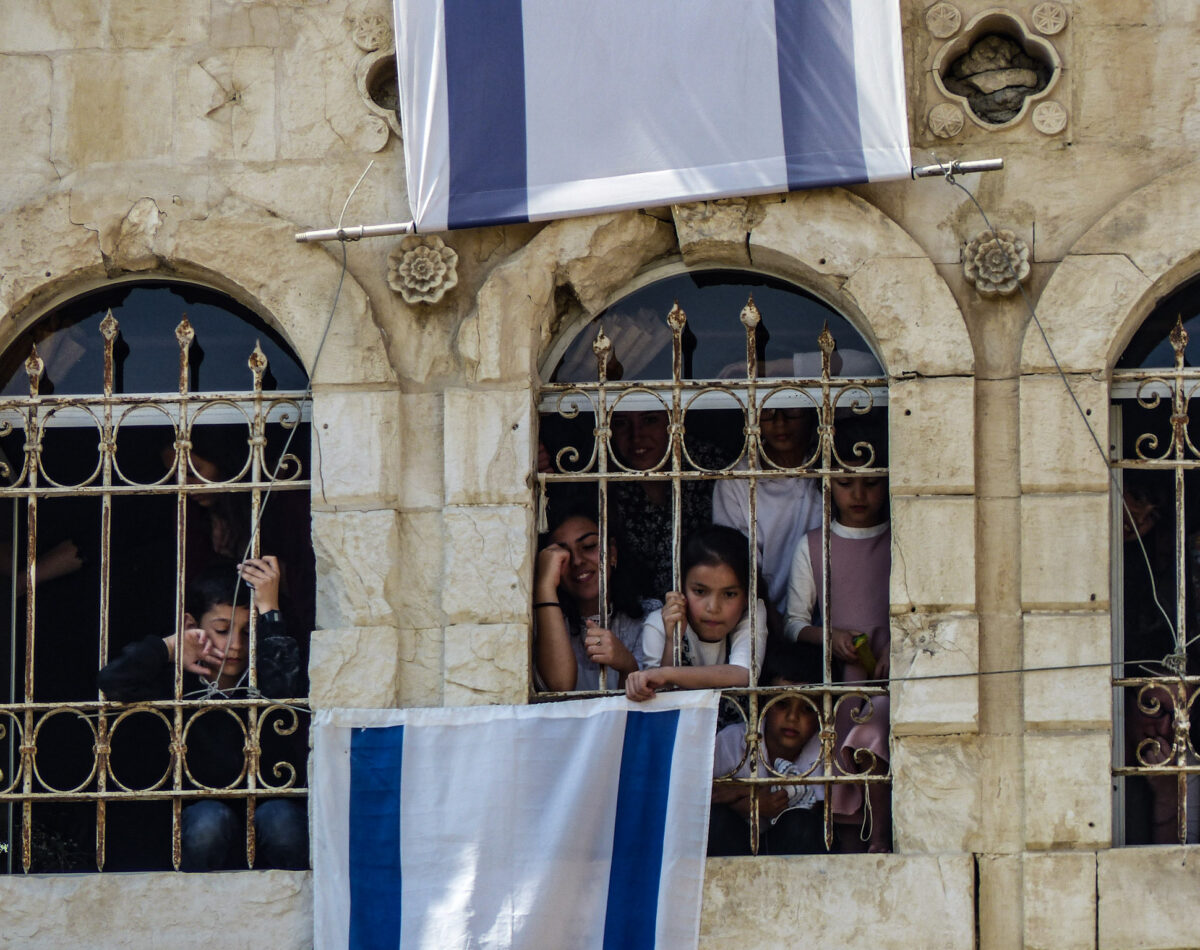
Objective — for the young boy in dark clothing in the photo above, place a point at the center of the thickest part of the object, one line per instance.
(215, 650)
(790, 816)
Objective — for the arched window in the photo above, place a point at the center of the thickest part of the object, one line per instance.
(153, 434)
(1156, 576)
(737, 399)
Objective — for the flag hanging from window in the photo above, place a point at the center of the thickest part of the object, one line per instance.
(524, 110)
(569, 825)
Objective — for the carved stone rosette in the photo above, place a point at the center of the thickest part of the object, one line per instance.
(422, 269)
(996, 262)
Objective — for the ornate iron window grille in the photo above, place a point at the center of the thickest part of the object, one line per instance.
(832, 397)
(23, 786)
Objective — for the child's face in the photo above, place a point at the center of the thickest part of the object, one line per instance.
(228, 633)
(581, 577)
(859, 500)
(789, 724)
(716, 600)
(640, 438)
(786, 432)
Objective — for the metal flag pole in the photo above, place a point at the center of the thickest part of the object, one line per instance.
(940, 170)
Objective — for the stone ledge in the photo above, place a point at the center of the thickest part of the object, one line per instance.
(1145, 898)
(845, 901)
(237, 910)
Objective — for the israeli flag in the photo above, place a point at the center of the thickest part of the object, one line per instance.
(523, 110)
(569, 825)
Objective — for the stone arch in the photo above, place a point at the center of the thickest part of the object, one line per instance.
(829, 241)
(55, 258)
(1114, 275)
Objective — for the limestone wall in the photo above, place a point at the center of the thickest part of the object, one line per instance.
(193, 139)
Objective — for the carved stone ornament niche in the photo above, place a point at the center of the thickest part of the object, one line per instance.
(996, 70)
(375, 75)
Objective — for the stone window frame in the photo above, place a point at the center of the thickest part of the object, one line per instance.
(106, 411)
(848, 251)
(830, 396)
(1107, 281)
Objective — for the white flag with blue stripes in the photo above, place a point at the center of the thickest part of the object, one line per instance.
(568, 825)
(523, 110)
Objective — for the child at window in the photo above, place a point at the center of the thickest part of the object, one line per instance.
(570, 646)
(215, 649)
(790, 821)
(713, 610)
(860, 561)
(787, 508)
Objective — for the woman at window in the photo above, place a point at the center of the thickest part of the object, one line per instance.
(570, 645)
(642, 441)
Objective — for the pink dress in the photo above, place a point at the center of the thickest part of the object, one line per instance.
(860, 568)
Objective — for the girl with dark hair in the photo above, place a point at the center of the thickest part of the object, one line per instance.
(713, 610)
(570, 645)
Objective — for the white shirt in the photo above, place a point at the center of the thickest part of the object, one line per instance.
(787, 509)
(802, 585)
(706, 653)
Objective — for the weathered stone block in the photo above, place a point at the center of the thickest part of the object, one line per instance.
(357, 451)
(1145, 898)
(999, 900)
(717, 231)
(933, 551)
(414, 589)
(831, 230)
(358, 668)
(1068, 790)
(319, 110)
(113, 107)
(40, 27)
(908, 304)
(83, 911)
(227, 106)
(487, 564)
(420, 452)
(354, 567)
(375, 668)
(1058, 454)
(355, 455)
(1145, 226)
(488, 448)
(144, 24)
(486, 664)
(855, 902)
(26, 118)
(495, 340)
(1084, 303)
(1060, 901)
(515, 313)
(238, 24)
(1055, 530)
(936, 793)
(297, 291)
(932, 435)
(1068, 695)
(933, 657)
(42, 239)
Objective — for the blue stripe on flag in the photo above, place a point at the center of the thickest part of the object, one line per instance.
(818, 93)
(375, 761)
(485, 97)
(642, 792)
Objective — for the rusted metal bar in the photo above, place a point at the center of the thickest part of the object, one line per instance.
(677, 320)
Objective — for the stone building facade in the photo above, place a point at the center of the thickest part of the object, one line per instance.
(192, 140)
